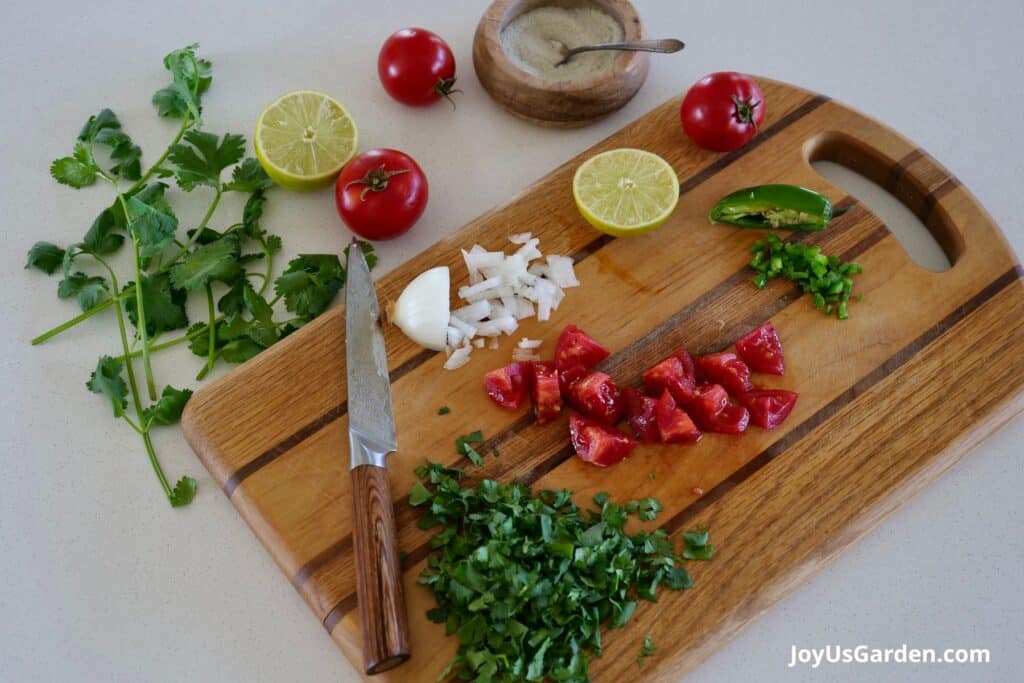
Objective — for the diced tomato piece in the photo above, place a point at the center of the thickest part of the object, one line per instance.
(705, 403)
(599, 444)
(640, 414)
(732, 419)
(576, 348)
(761, 348)
(769, 407)
(508, 386)
(596, 396)
(544, 392)
(675, 373)
(568, 376)
(674, 425)
(725, 369)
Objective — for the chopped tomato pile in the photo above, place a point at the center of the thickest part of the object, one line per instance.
(682, 396)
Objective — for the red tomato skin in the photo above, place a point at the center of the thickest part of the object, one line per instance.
(674, 373)
(711, 118)
(732, 419)
(411, 65)
(544, 392)
(674, 425)
(769, 408)
(596, 396)
(761, 349)
(577, 348)
(705, 403)
(507, 387)
(599, 444)
(640, 415)
(389, 212)
(725, 369)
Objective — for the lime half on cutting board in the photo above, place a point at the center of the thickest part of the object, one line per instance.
(304, 138)
(625, 191)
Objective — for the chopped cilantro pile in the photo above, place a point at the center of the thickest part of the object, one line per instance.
(527, 581)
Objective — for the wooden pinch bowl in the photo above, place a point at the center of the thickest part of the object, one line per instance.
(566, 103)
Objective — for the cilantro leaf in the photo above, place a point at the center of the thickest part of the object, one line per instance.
(75, 171)
(257, 305)
(201, 158)
(233, 300)
(310, 283)
(106, 380)
(647, 649)
(273, 243)
(164, 304)
(153, 227)
(249, 176)
(167, 410)
(102, 237)
(215, 261)
(252, 213)
(89, 291)
(105, 128)
(191, 78)
(183, 492)
(199, 335)
(240, 350)
(45, 256)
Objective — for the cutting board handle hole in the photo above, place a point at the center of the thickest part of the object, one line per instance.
(900, 192)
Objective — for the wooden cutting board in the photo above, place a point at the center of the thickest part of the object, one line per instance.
(927, 366)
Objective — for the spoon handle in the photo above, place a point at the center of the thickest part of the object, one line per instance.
(663, 45)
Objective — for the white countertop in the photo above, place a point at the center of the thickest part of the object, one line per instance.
(102, 581)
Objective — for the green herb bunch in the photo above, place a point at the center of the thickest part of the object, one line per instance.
(526, 582)
(167, 265)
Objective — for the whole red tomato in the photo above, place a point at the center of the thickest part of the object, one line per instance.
(416, 67)
(722, 111)
(381, 194)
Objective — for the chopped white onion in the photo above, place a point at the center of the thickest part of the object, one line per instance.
(504, 289)
(561, 271)
(524, 354)
(422, 309)
(455, 337)
(459, 357)
(473, 313)
(467, 330)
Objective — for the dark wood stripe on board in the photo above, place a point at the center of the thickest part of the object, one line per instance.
(587, 250)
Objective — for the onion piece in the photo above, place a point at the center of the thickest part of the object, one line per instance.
(459, 357)
(422, 311)
(527, 343)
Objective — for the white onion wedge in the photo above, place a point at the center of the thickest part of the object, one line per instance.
(422, 311)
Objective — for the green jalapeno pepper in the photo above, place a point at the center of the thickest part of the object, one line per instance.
(787, 207)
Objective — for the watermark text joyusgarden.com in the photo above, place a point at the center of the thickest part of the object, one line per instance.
(814, 657)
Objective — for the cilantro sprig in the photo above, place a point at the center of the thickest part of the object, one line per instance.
(168, 266)
(527, 582)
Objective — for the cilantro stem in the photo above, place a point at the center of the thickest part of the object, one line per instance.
(195, 233)
(131, 423)
(133, 385)
(270, 268)
(211, 354)
(186, 123)
(169, 343)
(102, 306)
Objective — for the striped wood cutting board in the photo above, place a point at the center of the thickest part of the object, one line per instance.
(889, 399)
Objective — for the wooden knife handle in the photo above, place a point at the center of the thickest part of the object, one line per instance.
(378, 571)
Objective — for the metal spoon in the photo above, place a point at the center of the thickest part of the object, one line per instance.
(664, 45)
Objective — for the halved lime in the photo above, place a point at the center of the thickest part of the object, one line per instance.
(625, 191)
(304, 138)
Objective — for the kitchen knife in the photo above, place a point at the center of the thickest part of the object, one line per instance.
(371, 436)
